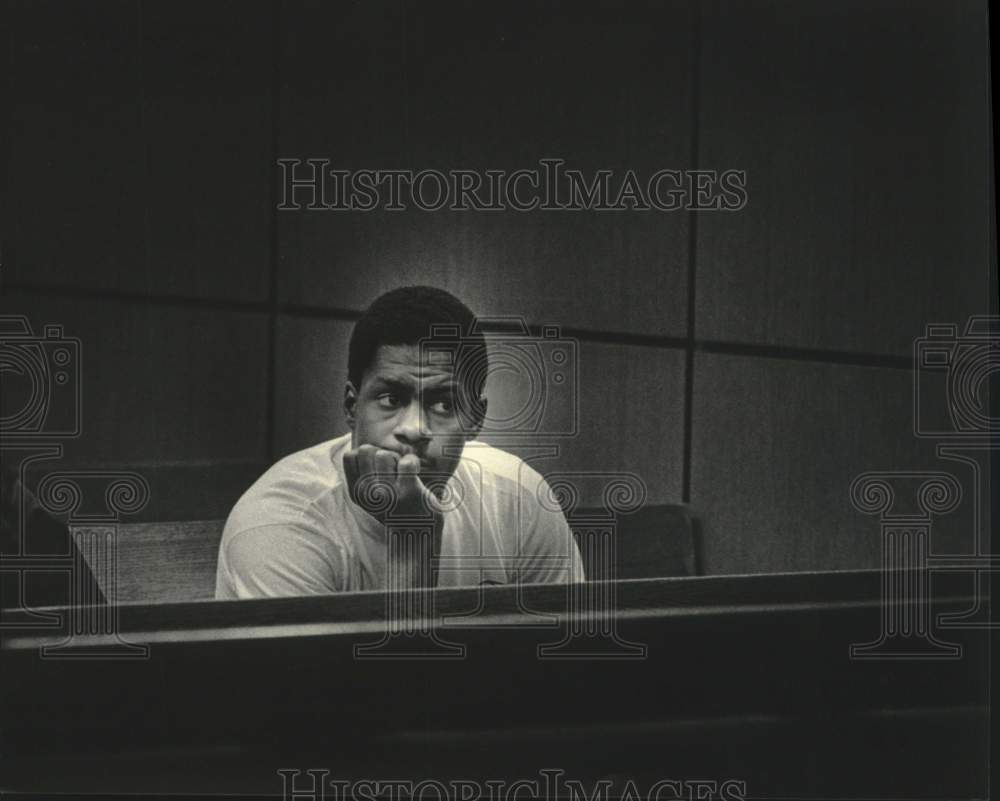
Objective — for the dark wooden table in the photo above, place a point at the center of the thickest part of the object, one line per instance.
(743, 677)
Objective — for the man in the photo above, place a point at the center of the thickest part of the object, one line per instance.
(406, 499)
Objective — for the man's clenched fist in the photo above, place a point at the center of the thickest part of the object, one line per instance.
(386, 484)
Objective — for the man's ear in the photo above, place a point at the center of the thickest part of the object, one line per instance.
(350, 404)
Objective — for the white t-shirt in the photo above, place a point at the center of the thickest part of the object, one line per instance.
(297, 532)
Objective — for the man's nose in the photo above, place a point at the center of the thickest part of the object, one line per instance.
(410, 428)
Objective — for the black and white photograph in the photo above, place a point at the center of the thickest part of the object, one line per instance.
(439, 399)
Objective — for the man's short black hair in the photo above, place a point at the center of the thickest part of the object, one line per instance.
(409, 314)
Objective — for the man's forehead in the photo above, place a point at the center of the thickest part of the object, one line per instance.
(410, 363)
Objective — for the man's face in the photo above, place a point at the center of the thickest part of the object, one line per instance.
(408, 406)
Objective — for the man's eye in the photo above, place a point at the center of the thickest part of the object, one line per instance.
(442, 407)
(388, 401)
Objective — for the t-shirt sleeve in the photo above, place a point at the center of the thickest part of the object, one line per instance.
(549, 551)
(272, 561)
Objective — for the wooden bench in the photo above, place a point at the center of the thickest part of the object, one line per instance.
(176, 561)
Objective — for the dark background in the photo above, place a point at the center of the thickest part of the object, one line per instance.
(749, 363)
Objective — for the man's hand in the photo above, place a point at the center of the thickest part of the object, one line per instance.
(388, 485)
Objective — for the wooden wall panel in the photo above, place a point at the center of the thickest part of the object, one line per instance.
(419, 86)
(76, 159)
(310, 378)
(207, 107)
(629, 418)
(776, 445)
(140, 139)
(160, 384)
(141, 148)
(864, 131)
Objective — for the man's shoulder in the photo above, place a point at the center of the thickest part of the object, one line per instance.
(501, 470)
(307, 472)
(528, 512)
(287, 490)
